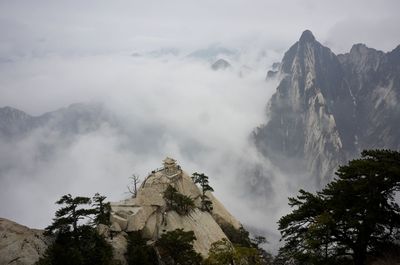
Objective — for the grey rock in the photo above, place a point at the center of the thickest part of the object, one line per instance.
(20, 245)
(327, 107)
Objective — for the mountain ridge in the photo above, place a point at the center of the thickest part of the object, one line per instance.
(76, 118)
(328, 107)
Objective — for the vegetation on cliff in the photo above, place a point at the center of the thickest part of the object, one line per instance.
(76, 242)
(353, 217)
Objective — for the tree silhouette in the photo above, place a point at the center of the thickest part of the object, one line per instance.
(68, 216)
(135, 183)
(102, 210)
(202, 180)
(176, 247)
(138, 252)
(353, 216)
(76, 243)
(178, 202)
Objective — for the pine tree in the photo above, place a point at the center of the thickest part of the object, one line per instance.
(353, 216)
(202, 180)
(68, 216)
(178, 202)
(75, 242)
(176, 247)
(138, 252)
(102, 209)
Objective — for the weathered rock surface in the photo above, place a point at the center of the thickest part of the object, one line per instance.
(148, 212)
(20, 245)
(327, 107)
(119, 245)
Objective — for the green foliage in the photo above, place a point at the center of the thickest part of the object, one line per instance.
(243, 243)
(351, 217)
(102, 210)
(202, 180)
(224, 253)
(75, 243)
(68, 216)
(178, 202)
(236, 236)
(138, 252)
(86, 249)
(176, 248)
(221, 252)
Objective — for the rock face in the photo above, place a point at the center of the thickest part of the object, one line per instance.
(328, 107)
(20, 245)
(149, 214)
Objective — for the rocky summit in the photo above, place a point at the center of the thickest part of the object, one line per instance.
(328, 107)
(148, 211)
(20, 245)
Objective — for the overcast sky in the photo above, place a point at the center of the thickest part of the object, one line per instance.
(76, 27)
(54, 53)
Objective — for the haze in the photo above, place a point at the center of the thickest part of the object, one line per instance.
(55, 53)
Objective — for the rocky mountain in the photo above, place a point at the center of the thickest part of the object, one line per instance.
(20, 245)
(328, 107)
(78, 118)
(148, 211)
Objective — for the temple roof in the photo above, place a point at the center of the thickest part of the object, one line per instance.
(169, 160)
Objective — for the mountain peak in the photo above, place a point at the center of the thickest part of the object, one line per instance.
(307, 36)
(13, 113)
(149, 211)
(359, 47)
(9, 109)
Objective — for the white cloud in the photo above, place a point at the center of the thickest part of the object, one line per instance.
(53, 54)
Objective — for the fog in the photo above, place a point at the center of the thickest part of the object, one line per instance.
(171, 106)
(134, 58)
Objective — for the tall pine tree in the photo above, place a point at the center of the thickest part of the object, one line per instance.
(68, 216)
(202, 180)
(353, 216)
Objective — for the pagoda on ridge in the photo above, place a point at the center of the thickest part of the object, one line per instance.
(170, 166)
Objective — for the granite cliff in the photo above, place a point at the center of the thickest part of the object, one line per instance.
(148, 211)
(20, 245)
(328, 107)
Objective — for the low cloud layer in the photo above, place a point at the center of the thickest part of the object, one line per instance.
(169, 106)
(55, 54)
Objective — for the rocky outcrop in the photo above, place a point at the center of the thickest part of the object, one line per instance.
(20, 245)
(149, 213)
(327, 107)
(374, 80)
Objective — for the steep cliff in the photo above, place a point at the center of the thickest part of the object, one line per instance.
(327, 107)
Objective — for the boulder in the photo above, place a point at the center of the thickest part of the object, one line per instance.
(20, 245)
